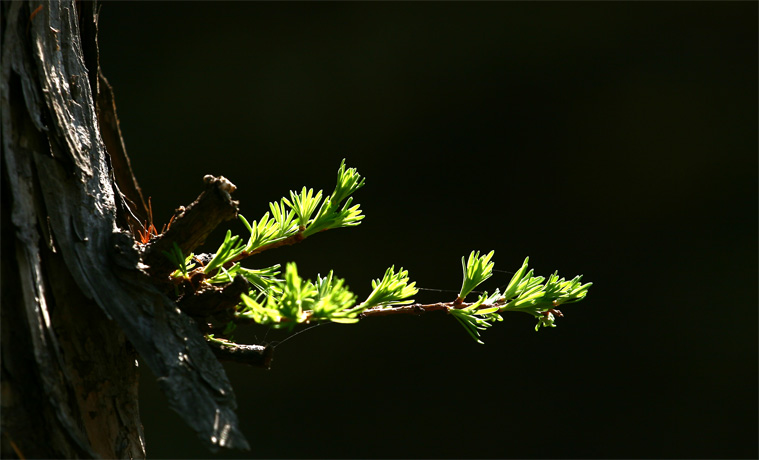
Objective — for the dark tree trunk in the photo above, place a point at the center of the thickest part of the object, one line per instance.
(77, 303)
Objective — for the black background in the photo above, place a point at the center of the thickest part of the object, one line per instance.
(616, 140)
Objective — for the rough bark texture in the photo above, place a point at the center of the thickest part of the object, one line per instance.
(192, 224)
(77, 303)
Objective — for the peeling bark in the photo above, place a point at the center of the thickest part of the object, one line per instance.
(77, 302)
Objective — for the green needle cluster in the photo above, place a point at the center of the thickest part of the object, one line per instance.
(303, 215)
(261, 278)
(526, 293)
(336, 210)
(537, 296)
(269, 230)
(183, 264)
(476, 318)
(296, 300)
(391, 289)
(291, 300)
(476, 270)
(227, 252)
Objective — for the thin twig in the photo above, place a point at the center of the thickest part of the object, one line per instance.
(413, 309)
(257, 355)
(290, 240)
(252, 355)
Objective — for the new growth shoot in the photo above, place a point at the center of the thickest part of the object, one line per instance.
(284, 302)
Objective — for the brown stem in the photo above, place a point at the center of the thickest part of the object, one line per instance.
(257, 355)
(290, 240)
(555, 312)
(413, 309)
(252, 355)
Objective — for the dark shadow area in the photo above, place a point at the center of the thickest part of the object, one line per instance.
(616, 140)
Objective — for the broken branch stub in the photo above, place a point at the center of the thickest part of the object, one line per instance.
(193, 224)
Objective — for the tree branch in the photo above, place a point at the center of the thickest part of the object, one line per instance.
(413, 309)
(193, 224)
(251, 355)
(418, 309)
(290, 240)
